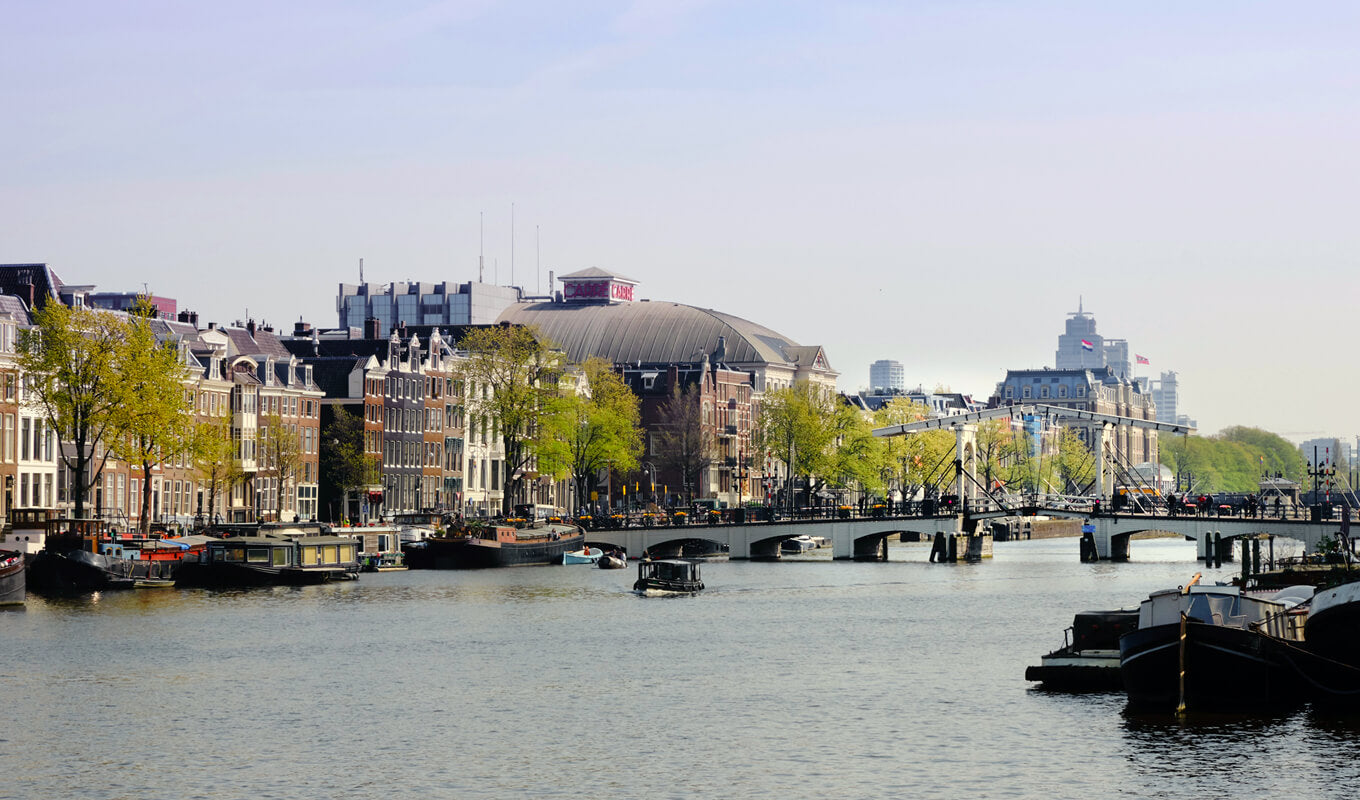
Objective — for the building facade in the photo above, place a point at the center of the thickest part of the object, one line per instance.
(1096, 390)
(887, 376)
(421, 303)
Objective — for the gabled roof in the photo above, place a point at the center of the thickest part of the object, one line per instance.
(15, 308)
(35, 284)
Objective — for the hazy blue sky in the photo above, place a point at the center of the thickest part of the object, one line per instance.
(933, 182)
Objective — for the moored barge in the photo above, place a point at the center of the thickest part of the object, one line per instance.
(495, 546)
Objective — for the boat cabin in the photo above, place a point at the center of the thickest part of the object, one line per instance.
(669, 575)
(1220, 605)
(307, 552)
(28, 530)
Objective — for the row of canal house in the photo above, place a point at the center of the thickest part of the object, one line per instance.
(240, 377)
(243, 379)
(425, 426)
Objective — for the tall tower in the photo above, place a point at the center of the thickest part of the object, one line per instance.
(1080, 347)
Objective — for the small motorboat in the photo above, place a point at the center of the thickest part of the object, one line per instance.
(153, 583)
(613, 560)
(666, 577)
(586, 555)
(798, 544)
(1089, 657)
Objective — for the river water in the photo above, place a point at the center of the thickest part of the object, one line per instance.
(782, 680)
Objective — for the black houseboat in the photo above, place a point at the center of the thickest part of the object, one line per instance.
(495, 546)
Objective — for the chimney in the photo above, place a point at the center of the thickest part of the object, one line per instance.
(301, 328)
(371, 328)
(250, 327)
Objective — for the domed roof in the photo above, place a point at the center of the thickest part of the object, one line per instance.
(654, 332)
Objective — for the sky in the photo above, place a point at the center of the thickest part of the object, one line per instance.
(937, 183)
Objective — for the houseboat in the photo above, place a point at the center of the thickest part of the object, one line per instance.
(667, 576)
(1089, 657)
(496, 546)
(1212, 648)
(12, 578)
(271, 560)
(79, 555)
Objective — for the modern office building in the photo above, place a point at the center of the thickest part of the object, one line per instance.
(422, 303)
(886, 376)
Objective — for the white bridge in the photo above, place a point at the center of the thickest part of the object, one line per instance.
(862, 539)
(865, 539)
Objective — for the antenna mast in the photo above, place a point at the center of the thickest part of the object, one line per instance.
(512, 244)
(481, 247)
(361, 271)
(538, 263)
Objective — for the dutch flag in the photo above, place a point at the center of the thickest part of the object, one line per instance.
(1085, 345)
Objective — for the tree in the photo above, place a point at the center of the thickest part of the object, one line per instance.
(595, 430)
(1076, 463)
(998, 453)
(1232, 461)
(800, 429)
(281, 457)
(912, 460)
(687, 444)
(152, 424)
(520, 370)
(72, 366)
(345, 467)
(854, 452)
(214, 457)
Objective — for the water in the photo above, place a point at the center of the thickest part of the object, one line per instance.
(791, 680)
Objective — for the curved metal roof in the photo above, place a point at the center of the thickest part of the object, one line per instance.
(653, 332)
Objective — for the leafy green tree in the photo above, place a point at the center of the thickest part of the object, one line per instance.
(280, 456)
(794, 429)
(1076, 464)
(72, 366)
(153, 423)
(998, 453)
(908, 461)
(520, 370)
(854, 453)
(1233, 460)
(596, 430)
(686, 443)
(214, 459)
(344, 466)
(819, 437)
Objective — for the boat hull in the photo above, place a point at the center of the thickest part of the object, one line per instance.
(234, 575)
(1333, 627)
(1226, 669)
(1078, 671)
(78, 571)
(471, 553)
(13, 579)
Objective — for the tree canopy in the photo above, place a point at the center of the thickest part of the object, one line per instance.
(513, 374)
(595, 430)
(153, 423)
(74, 362)
(910, 463)
(1233, 460)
